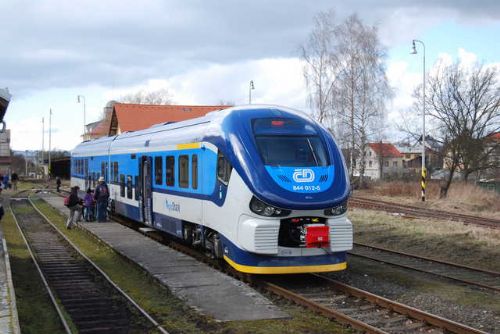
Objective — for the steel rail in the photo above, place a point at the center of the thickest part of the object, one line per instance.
(423, 212)
(132, 301)
(42, 275)
(412, 312)
(424, 258)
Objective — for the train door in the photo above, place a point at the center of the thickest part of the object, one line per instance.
(146, 191)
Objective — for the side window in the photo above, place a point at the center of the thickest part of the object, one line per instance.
(103, 168)
(194, 171)
(223, 168)
(184, 171)
(122, 185)
(158, 170)
(136, 181)
(86, 167)
(115, 172)
(129, 186)
(170, 170)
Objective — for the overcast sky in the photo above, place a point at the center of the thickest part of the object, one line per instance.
(205, 51)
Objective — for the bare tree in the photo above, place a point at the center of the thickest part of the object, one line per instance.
(345, 74)
(465, 105)
(160, 96)
(320, 67)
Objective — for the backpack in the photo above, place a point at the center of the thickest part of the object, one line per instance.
(66, 200)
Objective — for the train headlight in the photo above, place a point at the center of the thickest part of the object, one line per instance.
(336, 210)
(263, 209)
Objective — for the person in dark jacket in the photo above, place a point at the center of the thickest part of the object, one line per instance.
(58, 184)
(101, 196)
(75, 207)
(15, 178)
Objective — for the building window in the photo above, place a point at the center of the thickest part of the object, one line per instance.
(369, 163)
(122, 185)
(386, 163)
(129, 186)
(184, 171)
(223, 168)
(170, 169)
(394, 164)
(158, 170)
(194, 171)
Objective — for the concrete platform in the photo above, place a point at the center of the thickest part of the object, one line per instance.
(203, 288)
(9, 322)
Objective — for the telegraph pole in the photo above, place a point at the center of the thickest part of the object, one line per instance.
(50, 136)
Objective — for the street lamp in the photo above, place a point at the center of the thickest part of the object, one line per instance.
(424, 171)
(79, 98)
(250, 88)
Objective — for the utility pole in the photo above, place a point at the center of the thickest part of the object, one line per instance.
(250, 88)
(50, 136)
(424, 170)
(79, 98)
(43, 144)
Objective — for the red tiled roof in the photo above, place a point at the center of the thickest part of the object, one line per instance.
(385, 150)
(495, 136)
(132, 117)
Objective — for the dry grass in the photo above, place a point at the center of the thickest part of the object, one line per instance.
(445, 240)
(462, 197)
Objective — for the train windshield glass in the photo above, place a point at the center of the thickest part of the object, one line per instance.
(293, 151)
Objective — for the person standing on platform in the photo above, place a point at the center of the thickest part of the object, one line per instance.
(58, 184)
(88, 206)
(101, 196)
(74, 204)
(6, 181)
(15, 178)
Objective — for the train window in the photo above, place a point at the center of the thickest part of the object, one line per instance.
(158, 170)
(170, 170)
(184, 171)
(136, 181)
(115, 172)
(295, 151)
(129, 186)
(223, 168)
(122, 185)
(103, 168)
(86, 167)
(194, 171)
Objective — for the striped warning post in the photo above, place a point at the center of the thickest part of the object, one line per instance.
(422, 183)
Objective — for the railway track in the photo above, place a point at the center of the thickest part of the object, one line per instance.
(77, 286)
(448, 270)
(414, 211)
(358, 308)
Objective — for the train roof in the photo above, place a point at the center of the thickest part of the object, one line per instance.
(154, 137)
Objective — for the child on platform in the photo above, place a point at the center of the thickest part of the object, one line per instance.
(88, 206)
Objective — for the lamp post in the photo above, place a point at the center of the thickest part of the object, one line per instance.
(79, 98)
(424, 170)
(250, 88)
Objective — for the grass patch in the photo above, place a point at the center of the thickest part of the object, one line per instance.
(449, 241)
(171, 312)
(35, 310)
(462, 197)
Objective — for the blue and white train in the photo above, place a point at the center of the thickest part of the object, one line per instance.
(263, 187)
